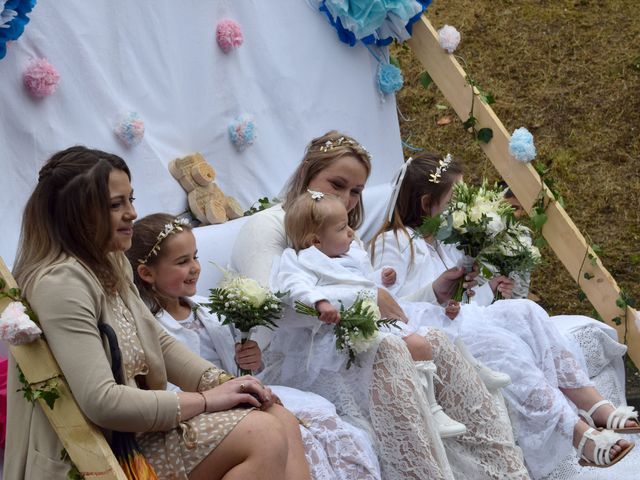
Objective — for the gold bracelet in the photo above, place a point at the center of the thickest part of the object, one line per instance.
(205, 402)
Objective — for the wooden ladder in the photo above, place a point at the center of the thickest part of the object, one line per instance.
(560, 232)
(83, 441)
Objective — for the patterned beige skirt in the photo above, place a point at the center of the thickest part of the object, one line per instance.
(174, 454)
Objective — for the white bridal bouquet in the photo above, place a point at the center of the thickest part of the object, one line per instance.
(513, 254)
(245, 304)
(358, 326)
(475, 220)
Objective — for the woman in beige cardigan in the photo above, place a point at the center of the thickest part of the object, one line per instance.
(70, 264)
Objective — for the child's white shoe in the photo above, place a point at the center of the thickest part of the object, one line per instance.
(491, 378)
(447, 427)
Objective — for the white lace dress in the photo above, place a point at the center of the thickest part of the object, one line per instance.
(487, 451)
(334, 448)
(511, 336)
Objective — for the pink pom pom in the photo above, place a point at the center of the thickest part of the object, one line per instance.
(40, 78)
(228, 35)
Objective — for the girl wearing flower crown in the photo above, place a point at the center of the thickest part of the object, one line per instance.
(513, 336)
(337, 164)
(166, 271)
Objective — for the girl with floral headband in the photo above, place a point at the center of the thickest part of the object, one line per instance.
(166, 271)
(337, 164)
(76, 226)
(512, 336)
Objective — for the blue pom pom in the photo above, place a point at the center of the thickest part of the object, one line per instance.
(521, 145)
(242, 131)
(389, 78)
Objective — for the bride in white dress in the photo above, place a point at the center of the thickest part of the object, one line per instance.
(335, 163)
(511, 336)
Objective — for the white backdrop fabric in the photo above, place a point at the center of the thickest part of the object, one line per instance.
(160, 59)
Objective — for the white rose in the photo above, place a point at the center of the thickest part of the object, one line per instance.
(479, 208)
(371, 305)
(459, 218)
(255, 293)
(360, 344)
(496, 224)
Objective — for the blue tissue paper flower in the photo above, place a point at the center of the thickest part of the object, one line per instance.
(389, 78)
(13, 18)
(373, 21)
(521, 145)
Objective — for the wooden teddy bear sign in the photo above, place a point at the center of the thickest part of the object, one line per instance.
(206, 201)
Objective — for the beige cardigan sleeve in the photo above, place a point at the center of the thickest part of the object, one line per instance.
(70, 304)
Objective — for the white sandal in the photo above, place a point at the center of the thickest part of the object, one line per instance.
(616, 420)
(603, 442)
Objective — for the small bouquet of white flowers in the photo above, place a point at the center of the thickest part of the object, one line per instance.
(513, 253)
(475, 219)
(245, 304)
(358, 326)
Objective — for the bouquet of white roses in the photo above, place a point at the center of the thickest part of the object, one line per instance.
(475, 219)
(513, 253)
(358, 326)
(245, 304)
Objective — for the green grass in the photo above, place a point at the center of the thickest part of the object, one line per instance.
(569, 71)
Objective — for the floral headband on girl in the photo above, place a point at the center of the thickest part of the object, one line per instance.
(177, 225)
(434, 177)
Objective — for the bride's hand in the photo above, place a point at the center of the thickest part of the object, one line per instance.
(389, 308)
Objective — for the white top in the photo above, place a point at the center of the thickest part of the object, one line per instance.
(415, 277)
(310, 276)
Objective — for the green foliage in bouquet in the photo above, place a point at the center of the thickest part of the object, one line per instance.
(359, 325)
(474, 221)
(245, 304)
(513, 252)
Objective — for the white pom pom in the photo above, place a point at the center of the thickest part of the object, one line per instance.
(449, 38)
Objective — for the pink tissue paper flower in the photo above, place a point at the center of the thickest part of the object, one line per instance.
(16, 327)
(228, 35)
(40, 78)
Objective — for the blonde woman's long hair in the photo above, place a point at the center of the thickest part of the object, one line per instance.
(317, 157)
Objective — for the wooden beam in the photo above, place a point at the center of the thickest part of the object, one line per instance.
(560, 232)
(83, 441)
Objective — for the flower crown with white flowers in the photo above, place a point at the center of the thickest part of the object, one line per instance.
(175, 226)
(342, 142)
(443, 165)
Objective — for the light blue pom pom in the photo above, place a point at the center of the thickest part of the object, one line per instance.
(389, 78)
(242, 131)
(521, 145)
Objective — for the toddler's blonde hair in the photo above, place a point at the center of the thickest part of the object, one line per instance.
(306, 216)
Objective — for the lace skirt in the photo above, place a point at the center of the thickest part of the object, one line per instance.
(382, 396)
(518, 337)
